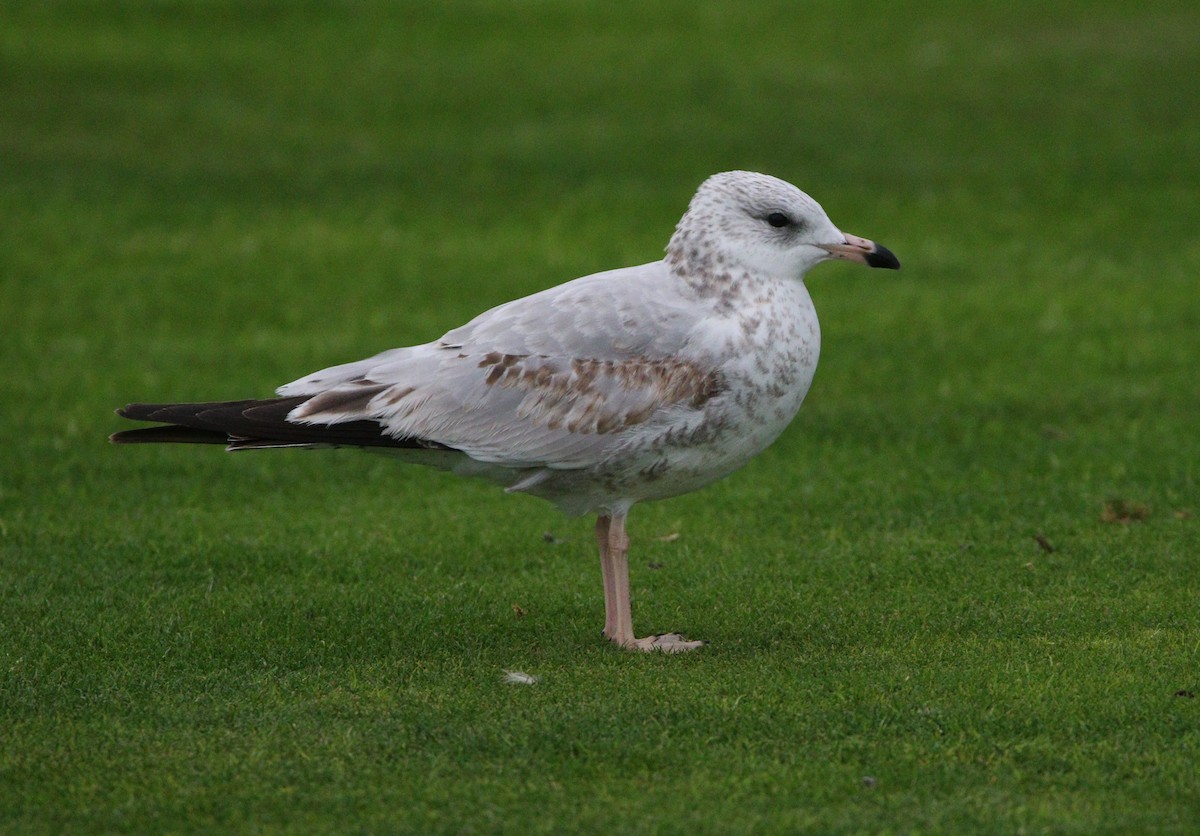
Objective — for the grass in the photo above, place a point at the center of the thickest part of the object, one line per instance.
(206, 200)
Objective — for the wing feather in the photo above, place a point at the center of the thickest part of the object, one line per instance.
(551, 380)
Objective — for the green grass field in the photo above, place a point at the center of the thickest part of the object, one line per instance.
(205, 200)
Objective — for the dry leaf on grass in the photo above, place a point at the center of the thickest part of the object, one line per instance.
(1124, 511)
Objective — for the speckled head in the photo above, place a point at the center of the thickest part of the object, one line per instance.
(745, 221)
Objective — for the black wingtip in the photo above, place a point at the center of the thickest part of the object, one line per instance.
(139, 411)
(254, 424)
(168, 434)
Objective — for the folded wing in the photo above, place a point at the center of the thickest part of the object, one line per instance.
(556, 379)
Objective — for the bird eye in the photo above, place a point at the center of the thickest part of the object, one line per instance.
(778, 219)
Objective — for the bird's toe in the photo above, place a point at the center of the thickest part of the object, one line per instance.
(666, 643)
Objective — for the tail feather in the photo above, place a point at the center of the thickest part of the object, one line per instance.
(251, 424)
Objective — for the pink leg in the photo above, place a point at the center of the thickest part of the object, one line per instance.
(610, 579)
(613, 543)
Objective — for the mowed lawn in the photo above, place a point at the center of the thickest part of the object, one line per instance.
(961, 593)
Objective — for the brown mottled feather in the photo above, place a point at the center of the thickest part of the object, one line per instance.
(577, 394)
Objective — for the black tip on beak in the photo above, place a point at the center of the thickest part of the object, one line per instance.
(864, 251)
(882, 257)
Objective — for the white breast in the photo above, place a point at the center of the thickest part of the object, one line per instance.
(766, 348)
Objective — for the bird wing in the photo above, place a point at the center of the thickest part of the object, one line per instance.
(551, 380)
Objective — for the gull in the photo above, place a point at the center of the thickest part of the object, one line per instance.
(625, 386)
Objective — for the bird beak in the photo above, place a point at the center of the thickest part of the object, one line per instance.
(864, 252)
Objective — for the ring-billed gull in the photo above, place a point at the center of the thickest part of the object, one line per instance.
(630, 385)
